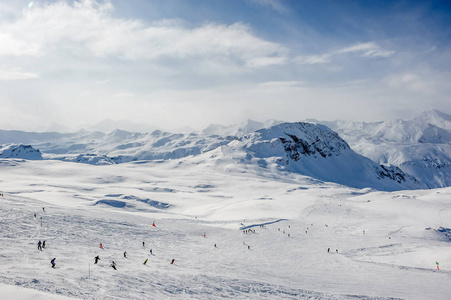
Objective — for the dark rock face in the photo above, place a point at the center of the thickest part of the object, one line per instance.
(315, 140)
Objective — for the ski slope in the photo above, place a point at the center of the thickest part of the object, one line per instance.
(406, 232)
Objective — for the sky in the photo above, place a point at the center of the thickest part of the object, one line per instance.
(190, 63)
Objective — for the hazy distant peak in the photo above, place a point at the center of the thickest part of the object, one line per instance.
(435, 117)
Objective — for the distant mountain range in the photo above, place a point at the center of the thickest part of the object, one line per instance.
(391, 155)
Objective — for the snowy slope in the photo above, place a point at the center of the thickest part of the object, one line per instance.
(406, 232)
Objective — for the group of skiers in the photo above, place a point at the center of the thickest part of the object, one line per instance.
(41, 245)
(113, 263)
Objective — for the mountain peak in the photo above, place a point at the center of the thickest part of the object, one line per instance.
(20, 151)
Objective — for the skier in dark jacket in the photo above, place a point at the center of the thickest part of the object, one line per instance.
(113, 265)
(43, 244)
(125, 254)
(96, 259)
(53, 262)
(39, 245)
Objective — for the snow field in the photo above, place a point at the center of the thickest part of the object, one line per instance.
(394, 259)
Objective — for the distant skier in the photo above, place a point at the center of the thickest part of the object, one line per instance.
(150, 252)
(336, 250)
(145, 262)
(43, 244)
(125, 254)
(249, 247)
(101, 246)
(215, 246)
(39, 245)
(113, 265)
(173, 260)
(53, 262)
(144, 244)
(35, 215)
(96, 259)
(328, 250)
(153, 224)
(43, 209)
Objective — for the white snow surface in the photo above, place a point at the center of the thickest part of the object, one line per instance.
(388, 242)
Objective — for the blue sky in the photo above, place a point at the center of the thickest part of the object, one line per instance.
(191, 63)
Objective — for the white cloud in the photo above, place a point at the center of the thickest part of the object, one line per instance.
(16, 74)
(282, 84)
(274, 4)
(87, 28)
(411, 82)
(370, 49)
(312, 59)
(123, 95)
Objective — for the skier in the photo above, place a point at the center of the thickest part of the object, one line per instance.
(328, 250)
(173, 260)
(113, 265)
(43, 209)
(145, 262)
(249, 247)
(35, 215)
(53, 262)
(43, 244)
(144, 244)
(336, 250)
(96, 259)
(101, 246)
(215, 246)
(153, 224)
(39, 246)
(151, 252)
(125, 254)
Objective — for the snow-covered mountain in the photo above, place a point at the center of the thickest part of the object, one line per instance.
(316, 151)
(420, 146)
(20, 151)
(239, 130)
